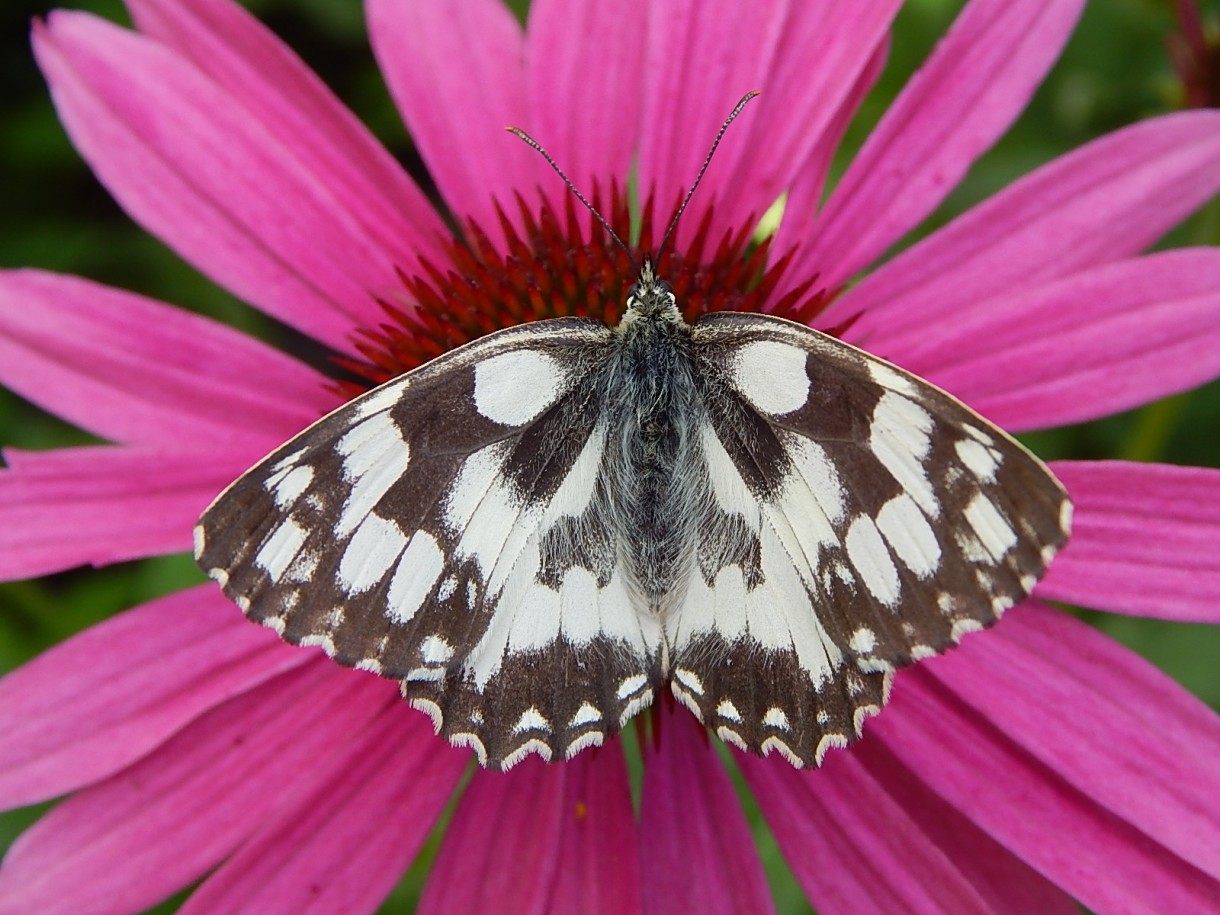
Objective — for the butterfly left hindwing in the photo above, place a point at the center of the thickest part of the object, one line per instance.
(451, 530)
(862, 519)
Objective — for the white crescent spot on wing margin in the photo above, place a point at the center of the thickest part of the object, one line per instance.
(515, 387)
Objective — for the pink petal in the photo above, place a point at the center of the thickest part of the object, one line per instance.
(678, 110)
(584, 107)
(831, 832)
(1145, 540)
(101, 700)
(283, 95)
(1106, 201)
(1098, 342)
(1007, 882)
(600, 870)
(103, 504)
(696, 850)
(857, 844)
(344, 846)
(503, 848)
(804, 57)
(541, 838)
(175, 814)
(138, 371)
(192, 165)
(456, 71)
(805, 196)
(992, 771)
(826, 52)
(969, 91)
(1143, 748)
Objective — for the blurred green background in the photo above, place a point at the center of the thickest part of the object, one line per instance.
(53, 214)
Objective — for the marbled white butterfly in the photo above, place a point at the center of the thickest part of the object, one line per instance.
(539, 531)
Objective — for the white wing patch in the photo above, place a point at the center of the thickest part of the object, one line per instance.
(420, 565)
(907, 531)
(485, 511)
(373, 550)
(281, 548)
(995, 533)
(772, 376)
(531, 616)
(288, 484)
(901, 437)
(808, 511)
(515, 387)
(872, 561)
(981, 459)
(731, 493)
(375, 456)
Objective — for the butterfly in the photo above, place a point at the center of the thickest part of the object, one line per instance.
(540, 532)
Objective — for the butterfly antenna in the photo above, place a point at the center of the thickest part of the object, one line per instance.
(521, 134)
(745, 100)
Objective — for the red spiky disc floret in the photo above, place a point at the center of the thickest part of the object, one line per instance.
(553, 265)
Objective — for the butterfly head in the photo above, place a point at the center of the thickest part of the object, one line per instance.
(651, 298)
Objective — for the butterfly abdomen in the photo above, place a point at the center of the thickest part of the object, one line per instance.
(652, 455)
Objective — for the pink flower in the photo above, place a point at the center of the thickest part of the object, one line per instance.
(1038, 764)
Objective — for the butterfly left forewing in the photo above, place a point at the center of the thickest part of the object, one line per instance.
(425, 531)
(886, 520)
